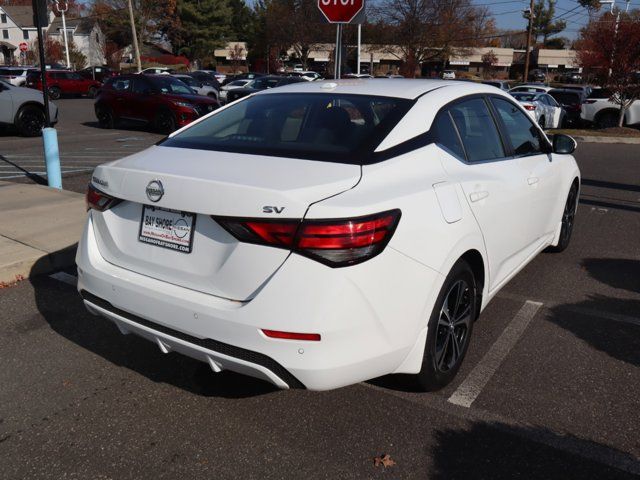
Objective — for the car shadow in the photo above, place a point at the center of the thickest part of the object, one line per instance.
(495, 450)
(619, 273)
(64, 311)
(609, 324)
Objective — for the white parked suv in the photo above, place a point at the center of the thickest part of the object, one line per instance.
(324, 233)
(16, 76)
(23, 108)
(448, 75)
(600, 111)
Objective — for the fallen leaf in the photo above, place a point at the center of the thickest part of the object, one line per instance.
(384, 460)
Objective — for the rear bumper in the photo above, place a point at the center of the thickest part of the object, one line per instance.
(369, 324)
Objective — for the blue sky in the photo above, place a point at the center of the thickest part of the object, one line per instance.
(508, 14)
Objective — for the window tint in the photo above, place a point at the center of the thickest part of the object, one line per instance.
(446, 134)
(522, 133)
(566, 98)
(600, 93)
(140, 86)
(325, 127)
(477, 130)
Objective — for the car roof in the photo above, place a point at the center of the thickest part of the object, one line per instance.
(385, 87)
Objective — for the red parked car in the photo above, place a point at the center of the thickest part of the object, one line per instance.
(63, 82)
(162, 101)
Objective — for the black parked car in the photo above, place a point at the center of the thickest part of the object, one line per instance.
(571, 100)
(537, 76)
(261, 83)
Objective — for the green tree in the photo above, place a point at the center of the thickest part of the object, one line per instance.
(543, 24)
(241, 21)
(203, 27)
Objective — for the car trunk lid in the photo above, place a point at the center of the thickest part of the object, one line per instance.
(208, 184)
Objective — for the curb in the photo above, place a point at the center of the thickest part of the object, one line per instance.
(38, 265)
(595, 139)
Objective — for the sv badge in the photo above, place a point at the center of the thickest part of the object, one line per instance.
(268, 209)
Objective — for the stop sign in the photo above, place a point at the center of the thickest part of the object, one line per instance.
(23, 47)
(340, 11)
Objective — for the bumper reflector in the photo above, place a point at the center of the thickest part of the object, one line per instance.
(312, 337)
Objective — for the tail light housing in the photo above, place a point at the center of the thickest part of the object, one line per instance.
(98, 200)
(333, 242)
(528, 106)
(589, 101)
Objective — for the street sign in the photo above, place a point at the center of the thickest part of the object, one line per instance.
(23, 47)
(340, 11)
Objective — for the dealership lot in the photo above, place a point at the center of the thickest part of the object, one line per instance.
(550, 387)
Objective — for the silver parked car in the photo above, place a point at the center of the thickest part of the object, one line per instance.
(199, 87)
(24, 109)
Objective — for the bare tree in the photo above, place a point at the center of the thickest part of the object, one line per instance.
(425, 30)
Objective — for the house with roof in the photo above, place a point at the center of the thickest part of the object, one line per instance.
(16, 26)
(86, 35)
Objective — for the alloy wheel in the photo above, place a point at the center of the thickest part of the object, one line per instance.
(453, 326)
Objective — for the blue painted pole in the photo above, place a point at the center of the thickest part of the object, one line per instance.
(52, 157)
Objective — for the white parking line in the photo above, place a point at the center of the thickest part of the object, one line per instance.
(65, 278)
(471, 386)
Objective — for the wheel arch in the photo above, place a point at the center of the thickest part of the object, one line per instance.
(474, 259)
(29, 103)
(609, 110)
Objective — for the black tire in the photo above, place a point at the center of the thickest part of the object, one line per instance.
(568, 217)
(165, 122)
(55, 93)
(607, 120)
(449, 332)
(93, 92)
(105, 117)
(30, 120)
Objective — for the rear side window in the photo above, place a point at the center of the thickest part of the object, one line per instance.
(447, 136)
(325, 127)
(477, 130)
(600, 93)
(524, 136)
(120, 84)
(566, 98)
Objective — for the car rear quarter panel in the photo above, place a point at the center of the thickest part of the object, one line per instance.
(423, 236)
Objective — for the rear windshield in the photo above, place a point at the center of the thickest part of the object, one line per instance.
(326, 127)
(566, 98)
(525, 97)
(600, 93)
(169, 84)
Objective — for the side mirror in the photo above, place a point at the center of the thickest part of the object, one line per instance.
(564, 144)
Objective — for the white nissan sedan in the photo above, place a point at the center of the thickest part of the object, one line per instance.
(325, 233)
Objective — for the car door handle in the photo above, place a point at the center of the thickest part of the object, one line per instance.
(532, 180)
(477, 196)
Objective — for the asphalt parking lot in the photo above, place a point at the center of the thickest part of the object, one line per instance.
(550, 387)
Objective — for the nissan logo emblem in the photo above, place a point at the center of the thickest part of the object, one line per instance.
(155, 190)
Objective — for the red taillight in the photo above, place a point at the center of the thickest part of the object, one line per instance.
(336, 243)
(98, 200)
(311, 337)
(589, 101)
(528, 106)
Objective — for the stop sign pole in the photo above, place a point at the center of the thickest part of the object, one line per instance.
(340, 12)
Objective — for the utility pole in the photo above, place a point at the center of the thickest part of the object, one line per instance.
(359, 47)
(134, 36)
(615, 29)
(62, 10)
(528, 14)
